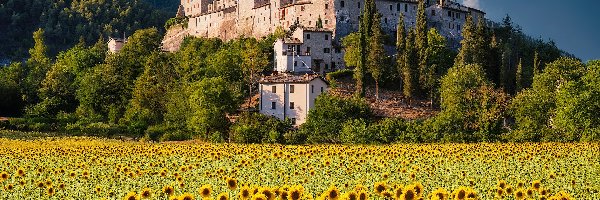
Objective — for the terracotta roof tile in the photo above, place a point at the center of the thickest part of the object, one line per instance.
(290, 78)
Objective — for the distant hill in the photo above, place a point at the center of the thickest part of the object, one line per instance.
(66, 22)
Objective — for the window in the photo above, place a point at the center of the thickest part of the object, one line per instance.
(291, 105)
(307, 50)
(308, 36)
(293, 121)
(295, 63)
(326, 21)
(337, 50)
(301, 8)
(274, 89)
(342, 4)
(391, 8)
(358, 5)
(326, 66)
(291, 88)
(312, 89)
(332, 65)
(398, 7)
(405, 7)
(432, 12)
(326, 37)
(449, 13)
(385, 20)
(273, 105)
(326, 50)
(321, 89)
(326, 6)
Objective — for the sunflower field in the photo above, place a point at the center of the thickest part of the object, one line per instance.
(90, 168)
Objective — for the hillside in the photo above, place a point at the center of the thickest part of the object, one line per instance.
(69, 21)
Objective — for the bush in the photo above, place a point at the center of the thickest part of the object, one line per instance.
(391, 130)
(355, 131)
(339, 74)
(258, 128)
(175, 136)
(326, 119)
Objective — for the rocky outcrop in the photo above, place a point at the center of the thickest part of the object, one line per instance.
(174, 37)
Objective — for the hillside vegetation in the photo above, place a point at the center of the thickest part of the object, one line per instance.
(66, 22)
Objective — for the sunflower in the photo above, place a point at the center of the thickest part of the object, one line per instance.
(502, 184)
(536, 185)
(460, 193)
(4, 176)
(97, 189)
(50, 191)
(168, 190)
(187, 196)
(267, 192)
(295, 194)
(245, 193)
(509, 190)
(231, 183)
(283, 195)
(379, 187)
(205, 191)
(130, 196)
(398, 191)
(520, 194)
(351, 196)
(223, 196)
(499, 192)
(409, 194)
(332, 193)
(439, 194)
(146, 193)
(362, 195)
(418, 189)
(259, 196)
(21, 172)
(9, 187)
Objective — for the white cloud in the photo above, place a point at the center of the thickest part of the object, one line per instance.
(471, 3)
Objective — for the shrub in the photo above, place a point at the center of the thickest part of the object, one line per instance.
(175, 136)
(258, 128)
(355, 131)
(326, 119)
(339, 74)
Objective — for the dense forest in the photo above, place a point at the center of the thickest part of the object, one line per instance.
(66, 22)
(501, 85)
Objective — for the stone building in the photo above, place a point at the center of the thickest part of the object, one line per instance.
(290, 95)
(308, 49)
(228, 19)
(290, 91)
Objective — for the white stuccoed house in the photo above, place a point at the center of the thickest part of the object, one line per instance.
(290, 91)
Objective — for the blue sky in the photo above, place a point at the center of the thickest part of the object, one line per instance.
(574, 25)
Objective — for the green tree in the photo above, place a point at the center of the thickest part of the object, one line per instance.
(472, 110)
(59, 88)
(536, 64)
(409, 68)
(439, 60)
(400, 45)
(359, 72)
(319, 23)
(36, 68)
(467, 51)
(421, 47)
(254, 61)
(577, 106)
(210, 101)
(325, 121)
(11, 103)
(535, 108)
(519, 76)
(377, 56)
(352, 53)
(150, 94)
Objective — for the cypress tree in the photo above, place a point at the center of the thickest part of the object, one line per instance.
(519, 76)
(421, 45)
(359, 72)
(536, 64)
(465, 55)
(376, 59)
(400, 45)
(409, 67)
